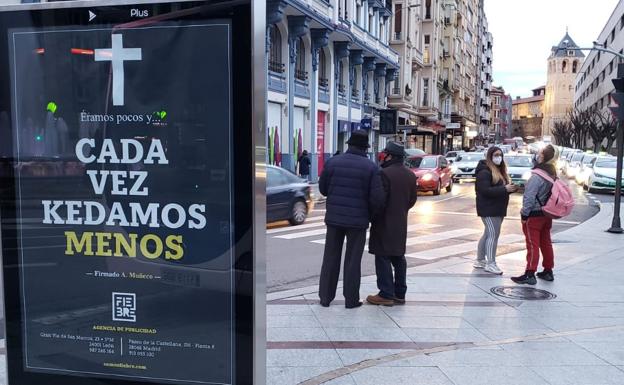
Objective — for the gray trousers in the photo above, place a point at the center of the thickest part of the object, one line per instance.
(489, 241)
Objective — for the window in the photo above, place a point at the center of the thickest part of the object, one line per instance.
(610, 68)
(426, 53)
(602, 76)
(275, 55)
(574, 66)
(622, 21)
(564, 66)
(300, 72)
(612, 34)
(323, 80)
(428, 9)
(425, 102)
(398, 14)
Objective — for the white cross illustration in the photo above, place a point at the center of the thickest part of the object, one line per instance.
(117, 55)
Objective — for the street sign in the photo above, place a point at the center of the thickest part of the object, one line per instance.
(453, 125)
(127, 194)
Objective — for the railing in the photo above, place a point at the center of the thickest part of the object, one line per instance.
(277, 67)
(324, 84)
(398, 36)
(355, 93)
(342, 90)
(301, 75)
(396, 91)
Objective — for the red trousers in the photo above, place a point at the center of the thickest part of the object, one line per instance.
(537, 234)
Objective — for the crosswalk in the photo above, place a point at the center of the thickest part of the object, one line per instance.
(425, 241)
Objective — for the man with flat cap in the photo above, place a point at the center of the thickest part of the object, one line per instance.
(389, 229)
(352, 184)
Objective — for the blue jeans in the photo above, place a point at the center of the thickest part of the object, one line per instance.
(390, 286)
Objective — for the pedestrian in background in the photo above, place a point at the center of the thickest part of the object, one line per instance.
(535, 224)
(389, 229)
(304, 165)
(352, 184)
(492, 187)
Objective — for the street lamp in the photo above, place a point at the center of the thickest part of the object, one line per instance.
(616, 226)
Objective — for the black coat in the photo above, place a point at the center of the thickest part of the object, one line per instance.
(304, 165)
(389, 229)
(492, 199)
(352, 185)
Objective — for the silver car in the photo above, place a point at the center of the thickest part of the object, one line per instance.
(465, 165)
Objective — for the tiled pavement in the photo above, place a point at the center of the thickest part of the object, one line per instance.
(454, 331)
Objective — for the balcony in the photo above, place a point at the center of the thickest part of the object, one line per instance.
(342, 94)
(302, 88)
(355, 96)
(323, 88)
(276, 78)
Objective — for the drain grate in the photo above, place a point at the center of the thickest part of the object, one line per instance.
(522, 292)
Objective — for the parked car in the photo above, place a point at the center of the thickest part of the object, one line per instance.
(432, 173)
(519, 168)
(288, 196)
(465, 165)
(574, 165)
(583, 173)
(451, 156)
(602, 176)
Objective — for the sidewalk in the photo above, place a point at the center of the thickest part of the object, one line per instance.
(454, 331)
(318, 197)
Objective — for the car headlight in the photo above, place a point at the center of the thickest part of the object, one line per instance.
(526, 175)
(599, 176)
(427, 177)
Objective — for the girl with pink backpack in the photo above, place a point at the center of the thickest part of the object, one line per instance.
(545, 197)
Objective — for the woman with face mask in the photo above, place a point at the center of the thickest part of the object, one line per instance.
(493, 187)
(535, 225)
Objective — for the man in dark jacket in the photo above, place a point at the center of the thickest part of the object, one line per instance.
(352, 185)
(389, 229)
(304, 165)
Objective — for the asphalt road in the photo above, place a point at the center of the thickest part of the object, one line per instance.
(441, 227)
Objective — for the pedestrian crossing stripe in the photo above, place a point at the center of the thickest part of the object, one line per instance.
(315, 223)
(410, 228)
(465, 247)
(441, 236)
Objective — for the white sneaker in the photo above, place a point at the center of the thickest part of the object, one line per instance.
(492, 268)
(479, 264)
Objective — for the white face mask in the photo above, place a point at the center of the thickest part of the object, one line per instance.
(497, 160)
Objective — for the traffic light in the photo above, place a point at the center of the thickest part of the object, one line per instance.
(618, 96)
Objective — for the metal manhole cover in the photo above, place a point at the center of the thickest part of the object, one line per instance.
(522, 292)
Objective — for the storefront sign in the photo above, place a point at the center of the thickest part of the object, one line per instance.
(367, 124)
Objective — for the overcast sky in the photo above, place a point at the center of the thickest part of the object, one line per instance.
(525, 30)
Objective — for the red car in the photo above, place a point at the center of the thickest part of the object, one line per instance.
(432, 172)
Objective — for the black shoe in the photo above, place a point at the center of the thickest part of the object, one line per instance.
(527, 278)
(546, 275)
(324, 304)
(354, 305)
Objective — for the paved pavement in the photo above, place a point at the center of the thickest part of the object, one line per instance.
(440, 227)
(455, 331)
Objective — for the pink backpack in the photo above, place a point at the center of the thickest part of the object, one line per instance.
(561, 201)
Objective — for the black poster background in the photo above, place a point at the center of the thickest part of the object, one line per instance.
(187, 301)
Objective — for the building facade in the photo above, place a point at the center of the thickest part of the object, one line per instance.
(329, 66)
(528, 114)
(593, 82)
(501, 109)
(564, 64)
(484, 79)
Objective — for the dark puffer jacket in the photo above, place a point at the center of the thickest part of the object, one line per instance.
(492, 199)
(352, 185)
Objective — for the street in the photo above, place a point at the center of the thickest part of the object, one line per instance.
(439, 227)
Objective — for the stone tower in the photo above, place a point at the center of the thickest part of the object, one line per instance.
(563, 66)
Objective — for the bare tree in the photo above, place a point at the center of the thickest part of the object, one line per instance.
(563, 133)
(594, 128)
(578, 121)
(609, 127)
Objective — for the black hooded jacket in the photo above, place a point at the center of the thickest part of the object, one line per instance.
(492, 199)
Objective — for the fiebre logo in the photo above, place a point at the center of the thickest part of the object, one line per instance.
(117, 55)
(124, 307)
